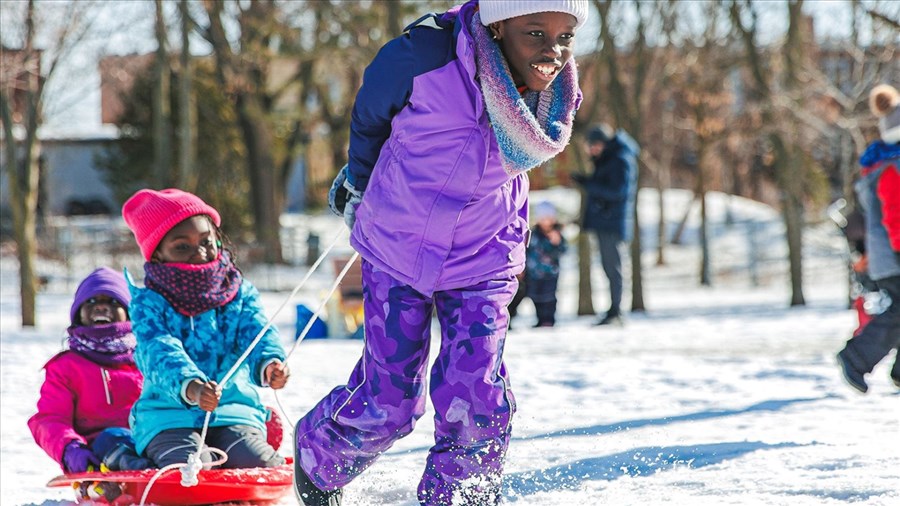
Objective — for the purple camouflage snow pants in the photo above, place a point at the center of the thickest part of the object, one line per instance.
(385, 396)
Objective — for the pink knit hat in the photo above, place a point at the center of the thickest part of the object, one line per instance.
(150, 214)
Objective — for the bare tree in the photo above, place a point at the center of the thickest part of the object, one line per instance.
(26, 71)
(244, 70)
(780, 131)
(187, 124)
(162, 117)
(701, 86)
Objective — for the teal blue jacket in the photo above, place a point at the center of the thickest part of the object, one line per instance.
(173, 348)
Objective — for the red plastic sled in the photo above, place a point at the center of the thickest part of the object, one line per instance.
(260, 485)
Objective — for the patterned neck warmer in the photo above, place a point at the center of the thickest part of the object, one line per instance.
(111, 344)
(195, 288)
(530, 129)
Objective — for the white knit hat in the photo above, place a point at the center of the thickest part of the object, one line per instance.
(885, 104)
(543, 209)
(497, 10)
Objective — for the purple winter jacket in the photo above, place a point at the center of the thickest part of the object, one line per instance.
(80, 398)
(439, 210)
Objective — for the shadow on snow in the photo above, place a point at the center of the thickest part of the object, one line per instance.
(773, 405)
(637, 462)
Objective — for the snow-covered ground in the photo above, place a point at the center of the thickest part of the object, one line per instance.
(718, 395)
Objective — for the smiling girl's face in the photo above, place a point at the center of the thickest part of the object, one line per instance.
(100, 310)
(193, 241)
(536, 46)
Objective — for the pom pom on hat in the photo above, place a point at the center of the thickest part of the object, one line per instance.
(150, 214)
(884, 101)
(103, 281)
(492, 11)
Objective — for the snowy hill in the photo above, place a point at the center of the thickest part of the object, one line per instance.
(716, 395)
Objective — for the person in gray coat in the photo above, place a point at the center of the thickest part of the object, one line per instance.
(878, 192)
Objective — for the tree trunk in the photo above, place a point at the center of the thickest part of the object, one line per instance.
(705, 276)
(162, 147)
(789, 176)
(21, 168)
(585, 288)
(788, 169)
(187, 124)
(663, 178)
(26, 239)
(637, 270)
(682, 223)
(261, 172)
(251, 107)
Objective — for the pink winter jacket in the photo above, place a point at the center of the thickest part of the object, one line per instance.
(80, 398)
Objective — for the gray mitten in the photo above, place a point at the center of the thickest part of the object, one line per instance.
(344, 198)
(354, 198)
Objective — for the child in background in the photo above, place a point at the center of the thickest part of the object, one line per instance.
(450, 117)
(82, 413)
(878, 193)
(545, 249)
(194, 319)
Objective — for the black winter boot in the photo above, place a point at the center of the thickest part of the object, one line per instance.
(124, 458)
(612, 318)
(853, 377)
(306, 490)
(895, 371)
(309, 494)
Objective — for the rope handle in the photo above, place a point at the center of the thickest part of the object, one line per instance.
(312, 320)
(290, 297)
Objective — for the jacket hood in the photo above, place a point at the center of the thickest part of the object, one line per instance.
(626, 142)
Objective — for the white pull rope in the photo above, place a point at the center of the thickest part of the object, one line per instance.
(268, 324)
(313, 318)
(334, 286)
(191, 469)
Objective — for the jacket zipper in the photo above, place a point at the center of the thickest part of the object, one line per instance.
(104, 374)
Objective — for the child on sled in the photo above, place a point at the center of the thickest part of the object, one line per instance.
(89, 388)
(193, 320)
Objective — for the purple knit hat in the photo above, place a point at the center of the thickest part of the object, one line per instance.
(103, 281)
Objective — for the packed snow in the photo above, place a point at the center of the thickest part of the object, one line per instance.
(716, 395)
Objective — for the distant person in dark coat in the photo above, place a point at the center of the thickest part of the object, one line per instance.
(610, 191)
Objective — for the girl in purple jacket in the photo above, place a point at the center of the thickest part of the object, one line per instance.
(82, 413)
(449, 118)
